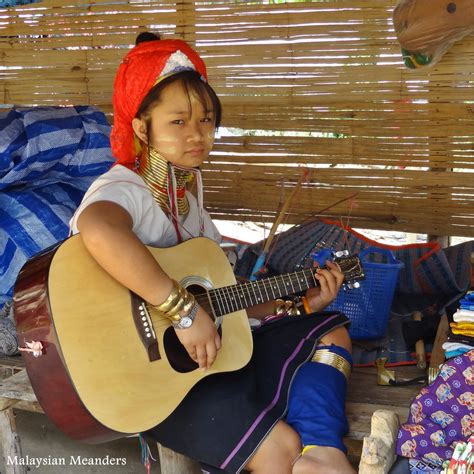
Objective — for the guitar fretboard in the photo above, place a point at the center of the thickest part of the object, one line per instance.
(232, 298)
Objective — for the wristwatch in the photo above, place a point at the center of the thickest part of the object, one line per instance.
(187, 320)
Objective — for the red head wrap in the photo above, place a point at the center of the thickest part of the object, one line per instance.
(136, 75)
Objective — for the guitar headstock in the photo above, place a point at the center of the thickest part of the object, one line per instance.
(349, 265)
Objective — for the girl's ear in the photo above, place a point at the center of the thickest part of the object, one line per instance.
(139, 127)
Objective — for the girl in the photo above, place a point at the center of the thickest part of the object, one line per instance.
(165, 118)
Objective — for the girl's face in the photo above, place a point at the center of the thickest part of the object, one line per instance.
(180, 129)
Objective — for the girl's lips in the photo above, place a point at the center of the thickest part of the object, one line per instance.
(196, 151)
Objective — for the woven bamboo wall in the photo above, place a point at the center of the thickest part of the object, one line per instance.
(395, 136)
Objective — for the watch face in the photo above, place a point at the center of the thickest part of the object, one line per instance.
(185, 322)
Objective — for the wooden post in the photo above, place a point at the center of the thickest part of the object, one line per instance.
(186, 29)
(175, 463)
(437, 354)
(420, 346)
(443, 240)
(11, 447)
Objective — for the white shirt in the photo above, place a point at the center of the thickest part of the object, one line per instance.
(152, 226)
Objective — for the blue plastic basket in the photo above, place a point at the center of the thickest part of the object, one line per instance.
(368, 307)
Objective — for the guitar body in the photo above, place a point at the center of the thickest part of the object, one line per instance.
(95, 378)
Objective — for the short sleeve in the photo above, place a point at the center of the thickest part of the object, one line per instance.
(120, 189)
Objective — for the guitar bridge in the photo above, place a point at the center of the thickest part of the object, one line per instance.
(144, 326)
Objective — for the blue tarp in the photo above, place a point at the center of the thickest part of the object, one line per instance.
(15, 3)
(49, 156)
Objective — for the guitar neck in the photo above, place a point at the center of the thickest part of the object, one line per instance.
(232, 298)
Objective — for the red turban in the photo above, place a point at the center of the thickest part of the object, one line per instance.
(136, 75)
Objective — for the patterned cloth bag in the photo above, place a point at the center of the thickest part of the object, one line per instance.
(442, 414)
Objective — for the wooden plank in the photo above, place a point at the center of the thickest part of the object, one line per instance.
(365, 396)
(363, 387)
(359, 416)
(17, 387)
(174, 463)
(12, 361)
(11, 447)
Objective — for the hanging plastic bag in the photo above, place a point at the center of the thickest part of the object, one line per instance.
(426, 29)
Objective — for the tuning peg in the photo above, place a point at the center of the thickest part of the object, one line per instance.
(351, 285)
(341, 253)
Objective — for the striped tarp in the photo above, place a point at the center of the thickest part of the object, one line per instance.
(48, 158)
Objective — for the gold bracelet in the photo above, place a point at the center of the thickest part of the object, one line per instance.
(286, 308)
(172, 298)
(184, 304)
(178, 303)
(178, 300)
(326, 356)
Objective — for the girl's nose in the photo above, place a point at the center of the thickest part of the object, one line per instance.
(196, 132)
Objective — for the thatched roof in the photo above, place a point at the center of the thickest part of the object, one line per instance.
(327, 74)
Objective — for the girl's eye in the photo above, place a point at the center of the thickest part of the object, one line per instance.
(206, 119)
(178, 122)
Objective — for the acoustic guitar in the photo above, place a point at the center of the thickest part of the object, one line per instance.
(109, 366)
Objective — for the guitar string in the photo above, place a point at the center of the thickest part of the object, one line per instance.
(220, 296)
(291, 278)
(244, 290)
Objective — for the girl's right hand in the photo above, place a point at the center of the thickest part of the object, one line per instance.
(201, 340)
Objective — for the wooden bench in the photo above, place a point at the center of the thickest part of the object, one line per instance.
(364, 397)
(15, 392)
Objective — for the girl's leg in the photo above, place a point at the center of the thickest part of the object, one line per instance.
(323, 460)
(277, 453)
(280, 452)
(339, 337)
(321, 406)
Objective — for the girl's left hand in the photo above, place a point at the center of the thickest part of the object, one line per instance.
(330, 280)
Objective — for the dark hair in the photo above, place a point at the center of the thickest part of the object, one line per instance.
(191, 82)
(147, 36)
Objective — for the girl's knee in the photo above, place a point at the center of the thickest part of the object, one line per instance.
(339, 337)
(288, 440)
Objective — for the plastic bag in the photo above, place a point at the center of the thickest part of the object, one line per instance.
(426, 29)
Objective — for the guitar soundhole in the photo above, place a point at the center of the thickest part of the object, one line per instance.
(177, 355)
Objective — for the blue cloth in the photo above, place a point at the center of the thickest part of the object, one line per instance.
(316, 408)
(49, 156)
(14, 3)
(455, 353)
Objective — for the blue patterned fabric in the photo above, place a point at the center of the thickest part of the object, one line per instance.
(49, 156)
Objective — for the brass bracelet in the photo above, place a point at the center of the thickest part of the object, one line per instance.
(326, 356)
(178, 300)
(178, 303)
(286, 308)
(184, 305)
(172, 298)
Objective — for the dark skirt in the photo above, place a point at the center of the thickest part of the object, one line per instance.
(225, 417)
